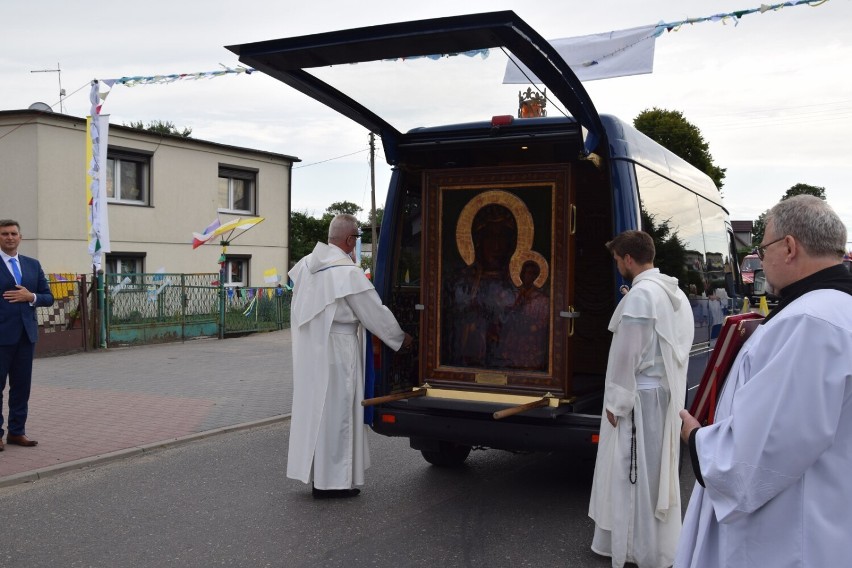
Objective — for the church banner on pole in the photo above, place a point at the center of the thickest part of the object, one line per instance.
(97, 220)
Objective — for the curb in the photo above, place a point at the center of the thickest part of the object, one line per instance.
(45, 472)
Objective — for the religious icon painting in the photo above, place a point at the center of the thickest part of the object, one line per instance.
(496, 244)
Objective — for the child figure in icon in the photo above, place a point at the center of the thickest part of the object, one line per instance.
(528, 323)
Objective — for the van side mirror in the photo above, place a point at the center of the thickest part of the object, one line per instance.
(759, 282)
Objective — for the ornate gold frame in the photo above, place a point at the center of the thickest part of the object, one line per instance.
(514, 188)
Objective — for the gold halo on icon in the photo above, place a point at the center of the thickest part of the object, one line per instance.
(523, 219)
(517, 262)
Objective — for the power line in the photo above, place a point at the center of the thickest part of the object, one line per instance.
(330, 159)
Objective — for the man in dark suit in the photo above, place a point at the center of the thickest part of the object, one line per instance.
(18, 328)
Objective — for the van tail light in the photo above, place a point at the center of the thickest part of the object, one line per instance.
(388, 418)
(596, 438)
(502, 120)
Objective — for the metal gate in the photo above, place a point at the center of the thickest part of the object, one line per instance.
(156, 308)
(65, 326)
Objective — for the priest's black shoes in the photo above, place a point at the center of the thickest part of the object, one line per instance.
(334, 493)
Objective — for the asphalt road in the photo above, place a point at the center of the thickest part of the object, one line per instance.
(224, 501)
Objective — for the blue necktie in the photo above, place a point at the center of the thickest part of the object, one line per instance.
(15, 270)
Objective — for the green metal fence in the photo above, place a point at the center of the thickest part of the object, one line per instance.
(255, 309)
(156, 308)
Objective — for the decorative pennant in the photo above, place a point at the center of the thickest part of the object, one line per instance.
(171, 78)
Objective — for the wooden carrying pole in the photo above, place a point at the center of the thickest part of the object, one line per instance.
(521, 408)
(393, 397)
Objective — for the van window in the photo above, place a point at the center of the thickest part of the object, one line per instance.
(673, 216)
(716, 244)
(405, 291)
(407, 269)
(670, 215)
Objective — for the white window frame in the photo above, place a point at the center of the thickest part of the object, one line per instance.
(114, 265)
(230, 262)
(116, 160)
(231, 175)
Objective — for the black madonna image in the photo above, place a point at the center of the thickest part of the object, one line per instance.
(495, 289)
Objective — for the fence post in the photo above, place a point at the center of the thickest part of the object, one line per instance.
(83, 310)
(221, 309)
(103, 337)
(182, 306)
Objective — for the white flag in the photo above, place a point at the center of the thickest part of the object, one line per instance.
(598, 56)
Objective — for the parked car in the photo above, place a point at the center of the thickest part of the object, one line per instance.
(751, 262)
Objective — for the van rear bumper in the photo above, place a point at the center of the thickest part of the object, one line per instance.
(477, 427)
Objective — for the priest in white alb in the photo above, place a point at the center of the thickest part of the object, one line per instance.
(774, 471)
(332, 302)
(635, 500)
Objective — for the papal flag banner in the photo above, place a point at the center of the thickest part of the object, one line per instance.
(270, 276)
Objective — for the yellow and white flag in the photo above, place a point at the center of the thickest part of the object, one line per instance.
(270, 276)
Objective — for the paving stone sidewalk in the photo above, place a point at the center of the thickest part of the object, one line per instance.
(107, 404)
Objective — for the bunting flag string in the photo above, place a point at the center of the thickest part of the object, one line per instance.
(738, 14)
(626, 52)
(171, 78)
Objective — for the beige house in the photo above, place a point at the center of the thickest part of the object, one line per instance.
(161, 189)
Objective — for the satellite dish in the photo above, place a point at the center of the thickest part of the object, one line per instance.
(44, 107)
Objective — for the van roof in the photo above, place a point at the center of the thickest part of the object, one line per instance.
(627, 143)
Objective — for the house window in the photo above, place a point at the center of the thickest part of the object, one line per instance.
(237, 189)
(121, 265)
(128, 177)
(236, 271)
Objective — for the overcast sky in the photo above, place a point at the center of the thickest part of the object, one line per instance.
(771, 95)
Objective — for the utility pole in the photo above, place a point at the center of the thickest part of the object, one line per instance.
(375, 245)
(61, 90)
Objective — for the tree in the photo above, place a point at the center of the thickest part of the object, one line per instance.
(367, 237)
(305, 232)
(339, 207)
(670, 129)
(758, 229)
(670, 255)
(161, 127)
(380, 213)
(799, 189)
(805, 189)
